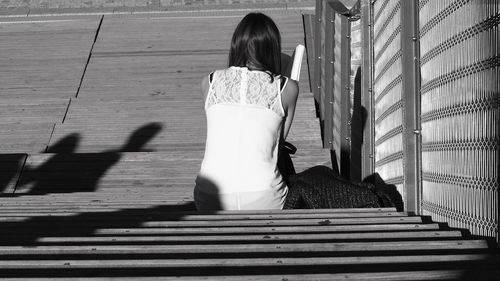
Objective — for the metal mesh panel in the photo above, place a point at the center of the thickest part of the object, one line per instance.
(357, 113)
(356, 55)
(460, 100)
(387, 88)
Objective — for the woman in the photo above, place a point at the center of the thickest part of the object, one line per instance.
(249, 108)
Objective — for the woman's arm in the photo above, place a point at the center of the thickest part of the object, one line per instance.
(289, 99)
(204, 88)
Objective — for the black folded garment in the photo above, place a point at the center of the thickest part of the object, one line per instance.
(321, 187)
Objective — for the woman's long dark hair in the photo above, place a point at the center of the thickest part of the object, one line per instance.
(256, 42)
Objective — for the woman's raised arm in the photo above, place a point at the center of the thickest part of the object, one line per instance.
(289, 99)
(204, 88)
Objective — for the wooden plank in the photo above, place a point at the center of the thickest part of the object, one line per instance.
(397, 235)
(53, 198)
(18, 215)
(149, 209)
(275, 229)
(101, 228)
(295, 222)
(237, 262)
(253, 223)
(156, 212)
(394, 275)
(5, 208)
(281, 248)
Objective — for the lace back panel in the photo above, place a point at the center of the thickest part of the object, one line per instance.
(241, 86)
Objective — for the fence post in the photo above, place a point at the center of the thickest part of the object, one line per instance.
(411, 104)
(343, 93)
(317, 53)
(328, 86)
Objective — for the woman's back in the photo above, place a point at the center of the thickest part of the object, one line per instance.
(246, 119)
(244, 122)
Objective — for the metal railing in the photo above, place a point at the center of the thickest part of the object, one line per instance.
(332, 83)
(409, 90)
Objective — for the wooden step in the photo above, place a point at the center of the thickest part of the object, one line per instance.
(282, 249)
(256, 238)
(256, 223)
(233, 244)
(395, 275)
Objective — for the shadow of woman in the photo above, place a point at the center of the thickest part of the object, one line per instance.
(10, 165)
(28, 232)
(68, 171)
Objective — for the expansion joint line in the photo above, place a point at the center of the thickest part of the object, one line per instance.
(20, 174)
(67, 109)
(90, 55)
(50, 138)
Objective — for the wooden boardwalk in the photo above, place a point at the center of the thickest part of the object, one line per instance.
(130, 113)
(102, 134)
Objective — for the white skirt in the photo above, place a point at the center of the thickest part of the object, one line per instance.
(256, 200)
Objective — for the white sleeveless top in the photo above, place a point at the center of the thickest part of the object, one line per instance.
(244, 120)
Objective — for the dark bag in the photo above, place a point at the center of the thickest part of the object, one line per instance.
(321, 187)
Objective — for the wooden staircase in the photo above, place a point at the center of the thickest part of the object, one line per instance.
(101, 136)
(121, 238)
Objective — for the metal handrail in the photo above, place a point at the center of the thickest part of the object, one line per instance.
(332, 80)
